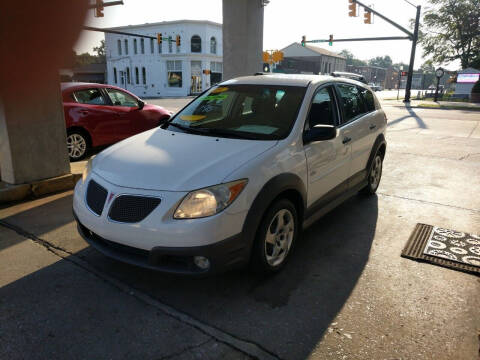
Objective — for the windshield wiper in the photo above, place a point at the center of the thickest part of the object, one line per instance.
(228, 133)
(185, 128)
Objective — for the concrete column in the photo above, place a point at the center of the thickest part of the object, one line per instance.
(32, 133)
(242, 37)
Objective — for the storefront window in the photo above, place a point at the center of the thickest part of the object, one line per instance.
(174, 73)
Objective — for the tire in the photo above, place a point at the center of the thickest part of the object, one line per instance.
(374, 175)
(78, 145)
(275, 240)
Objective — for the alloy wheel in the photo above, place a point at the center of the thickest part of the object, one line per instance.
(76, 145)
(279, 237)
(376, 173)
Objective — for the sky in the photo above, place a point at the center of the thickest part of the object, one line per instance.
(285, 22)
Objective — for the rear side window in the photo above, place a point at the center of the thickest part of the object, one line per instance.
(351, 102)
(89, 96)
(368, 99)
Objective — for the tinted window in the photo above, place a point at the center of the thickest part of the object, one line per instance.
(119, 98)
(264, 112)
(351, 101)
(368, 99)
(322, 110)
(89, 96)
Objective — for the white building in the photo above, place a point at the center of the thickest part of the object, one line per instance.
(143, 67)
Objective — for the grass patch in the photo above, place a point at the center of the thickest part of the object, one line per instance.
(447, 107)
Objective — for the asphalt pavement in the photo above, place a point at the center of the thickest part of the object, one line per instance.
(346, 293)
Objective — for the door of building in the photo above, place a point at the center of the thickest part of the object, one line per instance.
(196, 74)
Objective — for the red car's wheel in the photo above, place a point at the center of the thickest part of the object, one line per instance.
(77, 145)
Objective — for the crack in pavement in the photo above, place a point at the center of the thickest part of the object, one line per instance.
(188, 348)
(247, 347)
(429, 202)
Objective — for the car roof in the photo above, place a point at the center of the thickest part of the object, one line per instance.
(79, 85)
(287, 80)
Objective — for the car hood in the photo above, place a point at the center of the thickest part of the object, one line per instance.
(172, 161)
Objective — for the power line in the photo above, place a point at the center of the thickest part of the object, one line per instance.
(410, 3)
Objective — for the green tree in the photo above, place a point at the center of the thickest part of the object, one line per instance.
(427, 67)
(350, 58)
(100, 50)
(381, 61)
(451, 31)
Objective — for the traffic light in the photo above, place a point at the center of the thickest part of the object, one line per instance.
(159, 39)
(277, 56)
(367, 17)
(265, 57)
(178, 40)
(352, 7)
(99, 8)
(330, 41)
(304, 40)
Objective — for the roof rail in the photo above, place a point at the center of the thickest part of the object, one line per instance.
(348, 75)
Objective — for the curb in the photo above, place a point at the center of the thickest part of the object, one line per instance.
(10, 193)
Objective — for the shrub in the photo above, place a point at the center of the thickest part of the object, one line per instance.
(476, 87)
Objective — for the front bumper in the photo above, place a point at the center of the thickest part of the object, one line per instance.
(223, 255)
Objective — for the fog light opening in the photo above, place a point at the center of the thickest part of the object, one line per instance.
(201, 262)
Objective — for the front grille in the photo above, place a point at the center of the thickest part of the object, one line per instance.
(96, 196)
(132, 209)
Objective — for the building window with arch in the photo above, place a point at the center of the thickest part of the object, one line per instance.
(128, 75)
(115, 74)
(137, 81)
(196, 44)
(144, 76)
(142, 45)
(213, 45)
(126, 46)
(135, 51)
(119, 45)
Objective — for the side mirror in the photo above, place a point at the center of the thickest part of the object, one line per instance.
(319, 133)
(141, 104)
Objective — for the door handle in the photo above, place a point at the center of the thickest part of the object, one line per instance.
(346, 139)
(372, 126)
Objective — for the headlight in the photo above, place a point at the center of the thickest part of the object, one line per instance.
(209, 201)
(87, 170)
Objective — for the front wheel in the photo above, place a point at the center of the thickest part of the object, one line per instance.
(374, 175)
(275, 238)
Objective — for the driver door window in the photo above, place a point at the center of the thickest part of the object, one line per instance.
(323, 110)
(120, 98)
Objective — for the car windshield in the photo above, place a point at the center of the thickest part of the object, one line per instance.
(261, 112)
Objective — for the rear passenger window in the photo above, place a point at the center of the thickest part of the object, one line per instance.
(89, 96)
(352, 101)
(368, 99)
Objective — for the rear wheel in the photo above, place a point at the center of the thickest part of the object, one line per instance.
(77, 144)
(275, 238)
(374, 175)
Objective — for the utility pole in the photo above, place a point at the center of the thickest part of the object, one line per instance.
(412, 57)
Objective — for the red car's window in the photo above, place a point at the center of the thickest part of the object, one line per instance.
(119, 98)
(89, 96)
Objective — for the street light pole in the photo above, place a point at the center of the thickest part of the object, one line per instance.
(412, 57)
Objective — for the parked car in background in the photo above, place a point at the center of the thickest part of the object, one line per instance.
(375, 87)
(99, 114)
(233, 177)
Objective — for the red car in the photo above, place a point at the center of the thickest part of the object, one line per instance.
(98, 114)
